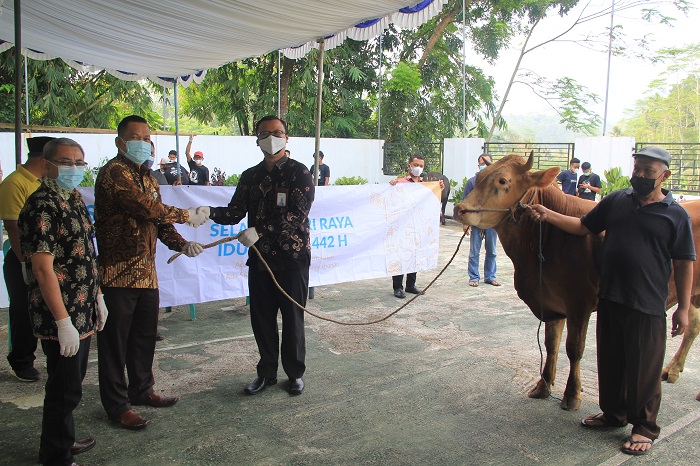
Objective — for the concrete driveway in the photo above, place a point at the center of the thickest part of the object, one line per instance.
(442, 382)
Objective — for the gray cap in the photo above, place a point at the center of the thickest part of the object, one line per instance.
(657, 153)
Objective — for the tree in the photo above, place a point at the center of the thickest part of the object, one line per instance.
(62, 96)
(575, 116)
(429, 57)
(670, 111)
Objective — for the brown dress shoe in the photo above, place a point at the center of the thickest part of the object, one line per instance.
(157, 401)
(131, 420)
(82, 445)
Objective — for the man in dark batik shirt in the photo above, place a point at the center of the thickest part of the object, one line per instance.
(65, 302)
(277, 195)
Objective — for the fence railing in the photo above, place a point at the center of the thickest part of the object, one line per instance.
(546, 155)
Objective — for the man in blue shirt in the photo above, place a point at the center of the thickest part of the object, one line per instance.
(478, 235)
(569, 178)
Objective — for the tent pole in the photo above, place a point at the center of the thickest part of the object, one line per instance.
(177, 132)
(165, 98)
(18, 83)
(464, 73)
(379, 88)
(279, 84)
(319, 99)
(26, 92)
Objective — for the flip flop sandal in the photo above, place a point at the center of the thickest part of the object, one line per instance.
(629, 451)
(494, 283)
(596, 421)
(474, 284)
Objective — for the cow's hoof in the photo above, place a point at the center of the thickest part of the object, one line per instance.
(570, 403)
(698, 396)
(670, 375)
(540, 391)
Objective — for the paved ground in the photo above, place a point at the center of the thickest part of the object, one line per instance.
(442, 382)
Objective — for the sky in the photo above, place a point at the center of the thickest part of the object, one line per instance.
(629, 77)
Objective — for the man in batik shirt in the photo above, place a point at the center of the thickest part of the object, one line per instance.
(276, 195)
(65, 304)
(129, 217)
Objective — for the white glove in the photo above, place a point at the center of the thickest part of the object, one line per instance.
(68, 337)
(102, 312)
(204, 210)
(198, 217)
(248, 237)
(192, 249)
(25, 277)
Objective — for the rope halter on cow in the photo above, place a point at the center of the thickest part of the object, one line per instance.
(519, 207)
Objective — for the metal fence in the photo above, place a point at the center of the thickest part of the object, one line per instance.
(685, 166)
(546, 155)
(396, 156)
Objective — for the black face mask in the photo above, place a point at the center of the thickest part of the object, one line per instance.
(643, 186)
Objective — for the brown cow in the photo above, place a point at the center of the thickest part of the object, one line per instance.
(570, 271)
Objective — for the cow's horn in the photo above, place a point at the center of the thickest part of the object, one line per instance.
(530, 160)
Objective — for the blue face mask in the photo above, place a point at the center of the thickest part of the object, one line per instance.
(481, 167)
(70, 177)
(138, 151)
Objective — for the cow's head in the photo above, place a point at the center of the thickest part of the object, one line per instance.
(500, 187)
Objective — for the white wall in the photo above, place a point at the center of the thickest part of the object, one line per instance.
(460, 161)
(232, 154)
(606, 152)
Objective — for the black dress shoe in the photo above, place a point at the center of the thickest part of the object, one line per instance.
(398, 292)
(82, 445)
(296, 386)
(413, 289)
(259, 384)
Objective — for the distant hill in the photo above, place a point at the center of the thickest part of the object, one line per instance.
(537, 127)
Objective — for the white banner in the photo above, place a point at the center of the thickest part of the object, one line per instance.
(357, 233)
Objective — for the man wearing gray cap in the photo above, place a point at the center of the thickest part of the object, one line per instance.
(14, 192)
(647, 236)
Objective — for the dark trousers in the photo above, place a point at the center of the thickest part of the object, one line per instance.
(410, 280)
(64, 389)
(127, 340)
(265, 302)
(22, 338)
(631, 347)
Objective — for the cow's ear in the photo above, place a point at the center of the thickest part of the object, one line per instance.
(544, 178)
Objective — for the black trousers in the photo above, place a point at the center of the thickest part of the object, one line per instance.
(631, 347)
(265, 302)
(22, 339)
(127, 340)
(64, 389)
(410, 280)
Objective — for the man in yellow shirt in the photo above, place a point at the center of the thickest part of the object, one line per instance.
(14, 191)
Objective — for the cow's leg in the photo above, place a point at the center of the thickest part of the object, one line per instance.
(552, 339)
(576, 328)
(675, 366)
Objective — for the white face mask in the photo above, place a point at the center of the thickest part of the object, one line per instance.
(137, 151)
(272, 145)
(416, 171)
(70, 177)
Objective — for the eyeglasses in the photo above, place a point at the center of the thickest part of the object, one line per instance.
(68, 163)
(264, 134)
